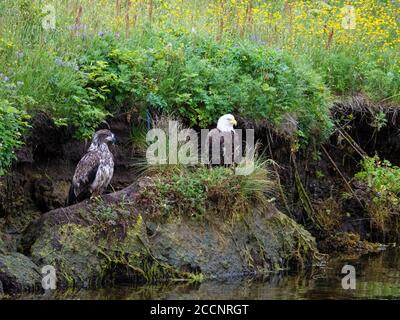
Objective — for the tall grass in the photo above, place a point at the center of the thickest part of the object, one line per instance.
(197, 58)
(352, 59)
(201, 192)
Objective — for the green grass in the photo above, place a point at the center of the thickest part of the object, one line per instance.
(174, 56)
(199, 192)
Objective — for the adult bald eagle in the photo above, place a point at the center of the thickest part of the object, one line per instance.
(95, 170)
(223, 143)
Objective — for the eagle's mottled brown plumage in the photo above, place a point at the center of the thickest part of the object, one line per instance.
(95, 170)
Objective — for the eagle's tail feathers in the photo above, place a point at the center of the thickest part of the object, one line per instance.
(72, 199)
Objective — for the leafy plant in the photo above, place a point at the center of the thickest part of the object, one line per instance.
(384, 179)
(12, 125)
(379, 121)
(380, 175)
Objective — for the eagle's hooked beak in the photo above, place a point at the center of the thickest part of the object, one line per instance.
(233, 121)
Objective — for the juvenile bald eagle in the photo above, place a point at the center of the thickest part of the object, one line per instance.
(95, 170)
(223, 142)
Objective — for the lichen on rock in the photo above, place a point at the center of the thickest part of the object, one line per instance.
(18, 273)
(115, 240)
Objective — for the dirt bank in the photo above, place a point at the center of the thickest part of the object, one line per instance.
(317, 189)
(113, 240)
(318, 186)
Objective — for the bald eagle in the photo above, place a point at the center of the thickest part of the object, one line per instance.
(95, 170)
(223, 143)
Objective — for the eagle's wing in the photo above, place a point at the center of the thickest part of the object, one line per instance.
(214, 136)
(229, 146)
(85, 172)
(237, 147)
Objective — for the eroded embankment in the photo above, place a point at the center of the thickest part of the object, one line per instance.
(320, 189)
(119, 240)
(114, 240)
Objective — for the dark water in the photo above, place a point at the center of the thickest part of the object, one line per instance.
(377, 276)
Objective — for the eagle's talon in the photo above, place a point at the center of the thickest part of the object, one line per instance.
(96, 198)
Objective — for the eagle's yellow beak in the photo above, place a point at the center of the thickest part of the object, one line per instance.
(233, 121)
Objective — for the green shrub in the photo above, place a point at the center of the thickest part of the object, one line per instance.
(196, 78)
(340, 70)
(384, 180)
(345, 72)
(12, 125)
(201, 79)
(382, 78)
(380, 175)
(210, 79)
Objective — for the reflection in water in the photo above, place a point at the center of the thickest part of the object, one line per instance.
(377, 276)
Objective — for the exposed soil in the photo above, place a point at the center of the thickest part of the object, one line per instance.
(39, 181)
(327, 173)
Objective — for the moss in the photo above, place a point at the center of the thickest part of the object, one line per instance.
(348, 242)
(95, 243)
(202, 192)
(89, 254)
(17, 273)
(327, 215)
(299, 244)
(134, 254)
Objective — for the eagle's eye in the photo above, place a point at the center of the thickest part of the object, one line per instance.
(111, 138)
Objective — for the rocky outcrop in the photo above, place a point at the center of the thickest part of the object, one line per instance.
(18, 273)
(7, 243)
(118, 238)
(113, 240)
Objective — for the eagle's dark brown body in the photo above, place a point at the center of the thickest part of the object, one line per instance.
(227, 144)
(95, 170)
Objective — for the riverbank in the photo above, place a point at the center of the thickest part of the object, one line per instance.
(115, 240)
(371, 273)
(87, 241)
(316, 82)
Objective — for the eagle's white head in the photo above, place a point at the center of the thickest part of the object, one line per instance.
(226, 123)
(101, 139)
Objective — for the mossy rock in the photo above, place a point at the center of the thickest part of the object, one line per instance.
(3, 249)
(7, 243)
(348, 242)
(114, 240)
(18, 273)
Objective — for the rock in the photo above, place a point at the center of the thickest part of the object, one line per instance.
(2, 244)
(8, 243)
(41, 176)
(18, 273)
(14, 189)
(49, 194)
(114, 240)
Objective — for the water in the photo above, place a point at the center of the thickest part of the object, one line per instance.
(377, 277)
